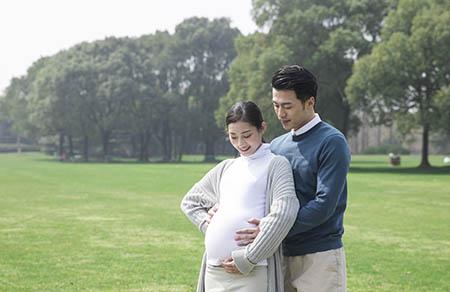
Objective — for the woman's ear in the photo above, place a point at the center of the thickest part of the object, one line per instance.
(263, 127)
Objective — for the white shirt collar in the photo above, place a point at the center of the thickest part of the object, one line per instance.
(308, 126)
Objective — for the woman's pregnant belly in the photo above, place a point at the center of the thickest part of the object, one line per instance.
(219, 238)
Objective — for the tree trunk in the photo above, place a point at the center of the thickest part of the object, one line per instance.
(162, 138)
(19, 145)
(134, 147)
(147, 144)
(86, 148)
(391, 134)
(70, 146)
(356, 143)
(167, 144)
(182, 146)
(209, 150)
(424, 163)
(345, 126)
(143, 146)
(346, 122)
(378, 135)
(364, 138)
(62, 154)
(105, 144)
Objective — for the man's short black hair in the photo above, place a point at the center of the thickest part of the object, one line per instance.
(296, 78)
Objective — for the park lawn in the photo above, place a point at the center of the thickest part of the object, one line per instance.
(117, 226)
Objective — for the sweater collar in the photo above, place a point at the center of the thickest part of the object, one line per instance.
(263, 150)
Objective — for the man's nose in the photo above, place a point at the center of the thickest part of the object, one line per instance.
(281, 113)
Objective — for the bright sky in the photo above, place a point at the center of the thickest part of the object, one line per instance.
(30, 29)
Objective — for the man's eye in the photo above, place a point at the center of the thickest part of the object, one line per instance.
(287, 107)
(246, 137)
(233, 138)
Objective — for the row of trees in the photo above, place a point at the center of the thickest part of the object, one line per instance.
(159, 88)
(326, 36)
(387, 58)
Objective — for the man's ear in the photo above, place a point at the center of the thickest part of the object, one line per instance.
(311, 102)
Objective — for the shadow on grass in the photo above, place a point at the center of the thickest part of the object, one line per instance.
(443, 170)
(369, 162)
(101, 162)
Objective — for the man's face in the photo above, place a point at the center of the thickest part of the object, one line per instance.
(291, 112)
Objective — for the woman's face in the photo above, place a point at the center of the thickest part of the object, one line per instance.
(245, 137)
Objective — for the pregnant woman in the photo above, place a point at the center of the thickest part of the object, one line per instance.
(257, 184)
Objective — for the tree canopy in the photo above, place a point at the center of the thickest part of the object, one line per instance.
(146, 90)
(406, 76)
(165, 94)
(324, 36)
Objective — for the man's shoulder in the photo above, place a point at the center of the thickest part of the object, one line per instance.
(280, 139)
(328, 130)
(333, 141)
(332, 135)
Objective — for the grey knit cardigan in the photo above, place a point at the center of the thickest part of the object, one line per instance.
(281, 211)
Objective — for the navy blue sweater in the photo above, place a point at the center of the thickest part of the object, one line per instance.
(320, 160)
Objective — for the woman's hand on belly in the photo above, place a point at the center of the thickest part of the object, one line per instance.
(230, 267)
(219, 237)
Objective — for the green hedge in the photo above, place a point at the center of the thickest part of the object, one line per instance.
(10, 148)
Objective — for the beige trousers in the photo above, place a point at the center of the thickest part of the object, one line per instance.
(317, 272)
(217, 280)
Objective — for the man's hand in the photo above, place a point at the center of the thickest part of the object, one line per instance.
(229, 266)
(247, 235)
(211, 213)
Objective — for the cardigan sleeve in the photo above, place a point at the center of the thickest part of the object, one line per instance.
(277, 223)
(201, 197)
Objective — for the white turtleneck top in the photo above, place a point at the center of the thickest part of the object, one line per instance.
(242, 196)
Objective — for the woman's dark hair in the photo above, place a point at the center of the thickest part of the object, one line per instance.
(296, 78)
(245, 111)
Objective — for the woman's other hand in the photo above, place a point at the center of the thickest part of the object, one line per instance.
(211, 213)
(229, 266)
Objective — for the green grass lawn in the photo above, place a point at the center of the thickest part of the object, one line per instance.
(95, 226)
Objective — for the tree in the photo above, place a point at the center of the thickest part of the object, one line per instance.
(205, 50)
(250, 76)
(14, 105)
(145, 95)
(326, 37)
(13, 109)
(57, 101)
(408, 70)
(75, 87)
(112, 86)
(171, 125)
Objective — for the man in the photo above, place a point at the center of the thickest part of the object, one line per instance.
(320, 157)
